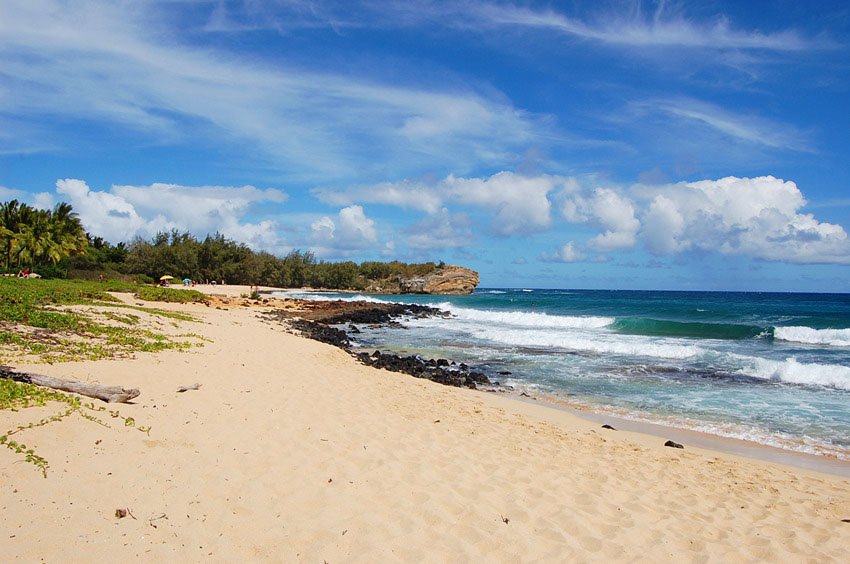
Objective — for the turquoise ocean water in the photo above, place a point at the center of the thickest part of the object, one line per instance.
(773, 368)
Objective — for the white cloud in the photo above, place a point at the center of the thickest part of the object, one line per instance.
(442, 230)
(630, 25)
(404, 194)
(567, 253)
(103, 214)
(125, 212)
(123, 63)
(11, 194)
(748, 128)
(43, 200)
(518, 203)
(351, 231)
(605, 208)
(757, 217)
(634, 28)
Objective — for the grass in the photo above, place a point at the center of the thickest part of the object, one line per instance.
(37, 319)
(160, 294)
(16, 396)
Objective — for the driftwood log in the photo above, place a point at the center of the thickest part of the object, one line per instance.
(110, 394)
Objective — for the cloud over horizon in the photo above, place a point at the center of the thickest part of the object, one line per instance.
(756, 217)
(125, 212)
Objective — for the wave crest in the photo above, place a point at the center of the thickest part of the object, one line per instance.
(527, 319)
(794, 372)
(832, 337)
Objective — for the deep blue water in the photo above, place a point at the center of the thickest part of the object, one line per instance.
(769, 367)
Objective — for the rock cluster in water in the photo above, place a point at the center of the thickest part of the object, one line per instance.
(314, 320)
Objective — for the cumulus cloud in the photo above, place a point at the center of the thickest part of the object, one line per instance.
(517, 203)
(757, 217)
(567, 253)
(102, 213)
(125, 212)
(351, 231)
(520, 204)
(607, 209)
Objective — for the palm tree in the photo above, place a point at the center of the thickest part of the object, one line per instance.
(10, 232)
(66, 232)
(29, 236)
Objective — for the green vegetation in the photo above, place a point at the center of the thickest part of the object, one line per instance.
(32, 237)
(16, 396)
(219, 259)
(158, 294)
(45, 318)
(56, 246)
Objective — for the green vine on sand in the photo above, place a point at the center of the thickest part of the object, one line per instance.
(15, 396)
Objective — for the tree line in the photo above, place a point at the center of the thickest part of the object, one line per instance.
(55, 243)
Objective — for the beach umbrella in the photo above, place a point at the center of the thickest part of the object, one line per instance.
(187, 280)
(166, 277)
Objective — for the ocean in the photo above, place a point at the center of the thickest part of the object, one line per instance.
(773, 368)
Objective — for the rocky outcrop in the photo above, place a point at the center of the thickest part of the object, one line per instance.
(444, 280)
(314, 320)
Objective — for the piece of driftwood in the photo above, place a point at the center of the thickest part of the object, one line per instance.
(187, 388)
(111, 394)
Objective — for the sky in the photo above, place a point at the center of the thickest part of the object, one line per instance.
(563, 144)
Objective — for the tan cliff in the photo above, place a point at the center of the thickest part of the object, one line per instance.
(446, 280)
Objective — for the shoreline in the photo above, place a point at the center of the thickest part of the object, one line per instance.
(707, 441)
(754, 450)
(679, 433)
(290, 449)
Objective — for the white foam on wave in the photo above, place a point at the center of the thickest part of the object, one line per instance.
(526, 318)
(323, 297)
(794, 372)
(588, 343)
(831, 337)
(567, 337)
(492, 292)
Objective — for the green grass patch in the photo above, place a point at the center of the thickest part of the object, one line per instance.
(32, 322)
(160, 294)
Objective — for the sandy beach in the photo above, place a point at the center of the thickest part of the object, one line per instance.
(290, 451)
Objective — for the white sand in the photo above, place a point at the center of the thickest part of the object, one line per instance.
(291, 451)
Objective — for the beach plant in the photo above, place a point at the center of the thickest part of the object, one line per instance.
(173, 295)
(16, 396)
(44, 318)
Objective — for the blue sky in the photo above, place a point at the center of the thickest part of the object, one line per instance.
(669, 145)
